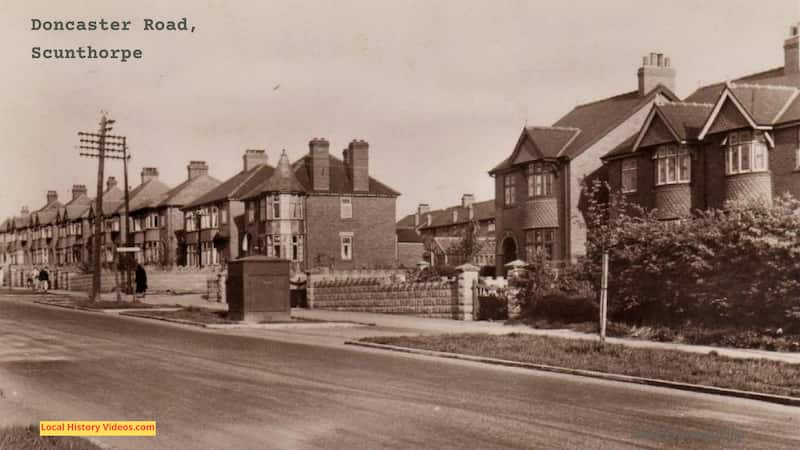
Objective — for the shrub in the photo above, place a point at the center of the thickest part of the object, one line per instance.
(738, 267)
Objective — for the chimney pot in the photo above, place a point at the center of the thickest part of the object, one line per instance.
(51, 196)
(467, 200)
(791, 52)
(357, 160)
(658, 71)
(111, 182)
(24, 211)
(78, 190)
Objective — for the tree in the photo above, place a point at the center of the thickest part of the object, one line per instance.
(469, 246)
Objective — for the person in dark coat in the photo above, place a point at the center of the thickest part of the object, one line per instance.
(44, 280)
(140, 277)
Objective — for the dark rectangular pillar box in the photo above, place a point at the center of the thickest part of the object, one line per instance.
(258, 289)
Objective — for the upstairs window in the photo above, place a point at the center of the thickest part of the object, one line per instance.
(189, 219)
(251, 214)
(509, 194)
(540, 180)
(629, 175)
(262, 209)
(297, 207)
(276, 206)
(214, 217)
(346, 207)
(673, 165)
(746, 152)
(223, 216)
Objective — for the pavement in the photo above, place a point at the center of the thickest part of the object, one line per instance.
(287, 389)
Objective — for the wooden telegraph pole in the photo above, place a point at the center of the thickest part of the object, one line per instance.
(98, 144)
(604, 297)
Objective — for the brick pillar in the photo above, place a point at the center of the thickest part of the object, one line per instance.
(467, 278)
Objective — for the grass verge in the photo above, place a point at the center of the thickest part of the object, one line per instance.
(111, 304)
(191, 313)
(27, 438)
(757, 375)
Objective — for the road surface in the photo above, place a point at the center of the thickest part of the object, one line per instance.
(213, 389)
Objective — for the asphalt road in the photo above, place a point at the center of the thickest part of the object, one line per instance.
(212, 389)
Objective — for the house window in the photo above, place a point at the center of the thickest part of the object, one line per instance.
(297, 247)
(540, 241)
(262, 209)
(346, 240)
(223, 216)
(274, 245)
(540, 180)
(673, 165)
(508, 182)
(629, 175)
(297, 207)
(251, 212)
(746, 152)
(276, 206)
(346, 207)
(214, 217)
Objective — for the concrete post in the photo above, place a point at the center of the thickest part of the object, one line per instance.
(467, 278)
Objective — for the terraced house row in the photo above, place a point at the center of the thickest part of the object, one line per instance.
(736, 140)
(319, 210)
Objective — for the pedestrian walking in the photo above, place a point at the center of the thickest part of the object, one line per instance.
(44, 280)
(140, 278)
(33, 279)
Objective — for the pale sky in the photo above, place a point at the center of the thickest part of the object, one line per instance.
(440, 89)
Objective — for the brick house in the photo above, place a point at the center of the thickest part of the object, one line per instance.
(440, 231)
(213, 221)
(71, 221)
(42, 224)
(322, 211)
(156, 220)
(538, 194)
(732, 141)
(16, 237)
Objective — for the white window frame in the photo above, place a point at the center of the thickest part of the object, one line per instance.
(346, 241)
(509, 190)
(631, 166)
(346, 207)
(668, 159)
(754, 144)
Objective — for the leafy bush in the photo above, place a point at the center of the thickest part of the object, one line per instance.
(738, 267)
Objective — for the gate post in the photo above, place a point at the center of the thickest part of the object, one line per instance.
(467, 278)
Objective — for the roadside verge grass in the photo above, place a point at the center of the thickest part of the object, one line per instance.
(757, 375)
(191, 313)
(27, 438)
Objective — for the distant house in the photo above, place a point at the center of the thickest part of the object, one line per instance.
(213, 221)
(538, 197)
(322, 211)
(410, 248)
(441, 231)
(157, 221)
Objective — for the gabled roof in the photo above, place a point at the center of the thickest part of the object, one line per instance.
(76, 208)
(761, 106)
(187, 191)
(596, 119)
(710, 93)
(234, 187)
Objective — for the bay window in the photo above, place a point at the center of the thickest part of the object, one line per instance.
(540, 241)
(746, 152)
(673, 164)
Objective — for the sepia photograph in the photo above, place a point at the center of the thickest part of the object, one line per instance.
(405, 224)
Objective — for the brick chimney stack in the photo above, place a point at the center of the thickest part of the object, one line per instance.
(467, 200)
(51, 196)
(655, 70)
(111, 183)
(196, 169)
(254, 157)
(423, 208)
(24, 211)
(791, 52)
(320, 164)
(149, 173)
(356, 158)
(78, 190)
